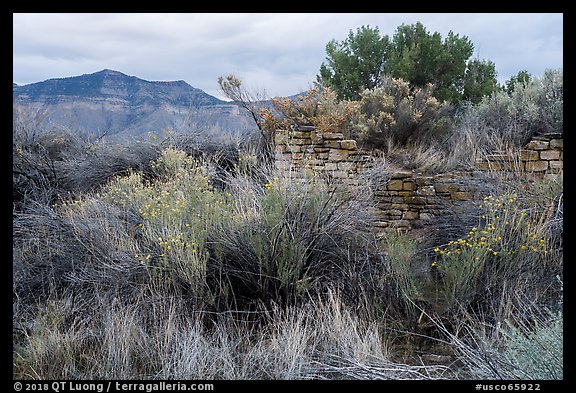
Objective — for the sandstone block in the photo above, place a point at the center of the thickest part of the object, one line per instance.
(410, 215)
(550, 154)
(536, 166)
(321, 149)
(333, 135)
(337, 155)
(316, 137)
(528, 155)
(498, 157)
(348, 144)
(399, 206)
(379, 193)
(409, 185)
(401, 174)
(557, 144)
(423, 181)
(394, 213)
(383, 207)
(301, 134)
(332, 144)
(361, 156)
(298, 141)
(446, 187)
(331, 166)
(314, 162)
(462, 196)
(489, 166)
(381, 224)
(415, 200)
(449, 177)
(294, 148)
(537, 145)
(395, 185)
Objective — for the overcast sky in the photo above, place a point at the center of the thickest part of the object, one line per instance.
(280, 53)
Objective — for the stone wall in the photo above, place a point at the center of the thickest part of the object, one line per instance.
(408, 200)
(541, 158)
(305, 151)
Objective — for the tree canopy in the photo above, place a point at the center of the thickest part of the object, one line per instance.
(412, 54)
(356, 63)
(479, 80)
(522, 77)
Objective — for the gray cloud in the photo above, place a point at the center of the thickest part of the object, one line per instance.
(280, 53)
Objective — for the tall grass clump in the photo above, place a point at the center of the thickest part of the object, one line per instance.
(90, 337)
(289, 237)
(410, 284)
(81, 243)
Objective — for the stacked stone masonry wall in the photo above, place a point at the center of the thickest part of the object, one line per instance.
(541, 158)
(410, 200)
(304, 151)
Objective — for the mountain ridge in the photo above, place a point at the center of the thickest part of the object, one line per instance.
(117, 103)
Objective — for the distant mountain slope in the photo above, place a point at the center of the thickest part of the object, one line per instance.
(122, 105)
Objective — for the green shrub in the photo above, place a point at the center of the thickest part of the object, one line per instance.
(177, 212)
(395, 115)
(254, 241)
(510, 245)
(526, 348)
(503, 120)
(286, 239)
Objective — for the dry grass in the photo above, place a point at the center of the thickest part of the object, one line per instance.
(143, 339)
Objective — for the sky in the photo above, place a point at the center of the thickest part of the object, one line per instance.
(277, 54)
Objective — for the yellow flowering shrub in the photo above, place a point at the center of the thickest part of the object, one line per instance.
(506, 238)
